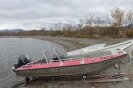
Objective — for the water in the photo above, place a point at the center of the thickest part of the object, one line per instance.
(12, 48)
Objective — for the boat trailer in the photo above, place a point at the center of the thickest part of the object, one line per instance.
(101, 78)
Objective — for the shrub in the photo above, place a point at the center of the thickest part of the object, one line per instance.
(129, 33)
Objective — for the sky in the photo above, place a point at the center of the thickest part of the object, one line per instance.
(35, 14)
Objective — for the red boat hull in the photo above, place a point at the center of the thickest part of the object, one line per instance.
(89, 66)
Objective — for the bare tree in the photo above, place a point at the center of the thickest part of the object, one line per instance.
(118, 16)
(130, 17)
(80, 25)
(58, 26)
(90, 19)
(98, 21)
(69, 26)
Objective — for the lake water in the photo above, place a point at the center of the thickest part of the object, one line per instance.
(12, 48)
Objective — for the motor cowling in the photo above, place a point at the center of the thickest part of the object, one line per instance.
(22, 60)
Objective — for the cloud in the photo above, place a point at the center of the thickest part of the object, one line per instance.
(29, 14)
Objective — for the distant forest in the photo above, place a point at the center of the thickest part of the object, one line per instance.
(92, 26)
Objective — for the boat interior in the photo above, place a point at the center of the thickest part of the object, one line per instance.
(60, 57)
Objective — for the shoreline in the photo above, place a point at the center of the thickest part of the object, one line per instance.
(72, 43)
(75, 43)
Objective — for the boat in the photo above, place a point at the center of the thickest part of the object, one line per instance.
(126, 45)
(69, 66)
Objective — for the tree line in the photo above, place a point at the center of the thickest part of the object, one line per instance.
(118, 24)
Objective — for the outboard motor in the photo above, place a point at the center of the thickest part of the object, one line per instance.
(22, 60)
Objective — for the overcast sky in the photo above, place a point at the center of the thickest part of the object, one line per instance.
(34, 14)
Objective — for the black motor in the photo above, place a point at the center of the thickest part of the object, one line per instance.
(22, 60)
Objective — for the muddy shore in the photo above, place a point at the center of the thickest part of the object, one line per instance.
(70, 43)
(75, 43)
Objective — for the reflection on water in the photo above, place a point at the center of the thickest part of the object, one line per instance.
(12, 48)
